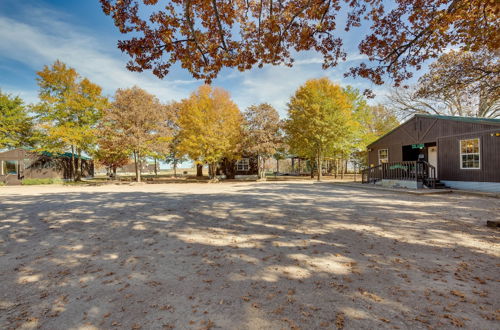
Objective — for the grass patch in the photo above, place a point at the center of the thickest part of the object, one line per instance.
(29, 182)
(77, 183)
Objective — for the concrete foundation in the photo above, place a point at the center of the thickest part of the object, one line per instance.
(399, 184)
(246, 177)
(493, 187)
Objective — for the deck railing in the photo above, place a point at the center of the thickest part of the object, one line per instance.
(419, 171)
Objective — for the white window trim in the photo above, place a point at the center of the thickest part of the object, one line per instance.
(14, 162)
(474, 153)
(243, 164)
(378, 153)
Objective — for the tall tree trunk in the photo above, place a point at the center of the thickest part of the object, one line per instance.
(264, 160)
(293, 167)
(261, 164)
(135, 162)
(212, 168)
(175, 167)
(199, 170)
(259, 175)
(277, 166)
(137, 170)
(156, 170)
(72, 167)
(311, 165)
(320, 165)
(336, 167)
(139, 161)
(342, 169)
(114, 172)
(78, 165)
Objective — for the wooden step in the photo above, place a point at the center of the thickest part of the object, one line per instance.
(437, 185)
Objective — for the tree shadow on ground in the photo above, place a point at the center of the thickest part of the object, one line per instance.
(254, 256)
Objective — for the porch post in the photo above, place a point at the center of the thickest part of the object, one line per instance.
(1, 167)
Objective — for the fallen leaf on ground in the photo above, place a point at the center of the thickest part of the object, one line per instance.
(340, 320)
(458, 293)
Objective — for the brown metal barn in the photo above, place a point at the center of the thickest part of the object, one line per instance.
(460, 152)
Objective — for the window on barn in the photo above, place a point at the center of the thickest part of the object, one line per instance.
(470, 155)
(243, 164)
(10, 167)
(383, 156)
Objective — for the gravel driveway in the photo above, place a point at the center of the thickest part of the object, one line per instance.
(295, 255)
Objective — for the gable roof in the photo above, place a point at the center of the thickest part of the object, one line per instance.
(473, 120)
(43, 153)
(63, 155)
(462, 119)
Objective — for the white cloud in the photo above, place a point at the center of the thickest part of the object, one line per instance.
(42, 40)
(28, 96)
(271, 84)
(306, 61)
(275, 84)
(49, 35)
(310, 57)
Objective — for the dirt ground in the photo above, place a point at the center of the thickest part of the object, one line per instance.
(269, 255)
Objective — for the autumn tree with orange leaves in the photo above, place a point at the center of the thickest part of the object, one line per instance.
(138, 122)
(208, 35)
(262, 134)
(111, 151)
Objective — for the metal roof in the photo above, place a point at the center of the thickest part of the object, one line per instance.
(63, 155)
(463, 119)
(473, 120)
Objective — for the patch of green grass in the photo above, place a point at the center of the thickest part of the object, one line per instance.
(77, 183)
(29, 182)
(2, 183)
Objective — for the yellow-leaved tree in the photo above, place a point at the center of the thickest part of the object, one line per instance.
(69, 110)
(210, 126)
(320, 121)
(373, 122)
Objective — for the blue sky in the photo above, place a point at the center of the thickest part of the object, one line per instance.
(37, 32)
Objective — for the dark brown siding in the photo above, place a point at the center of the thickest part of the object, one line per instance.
(449, 159)
(446, 134)
(491, 165)
(14, 154)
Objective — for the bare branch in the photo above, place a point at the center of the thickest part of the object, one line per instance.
(219, 24)
(187, 11)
